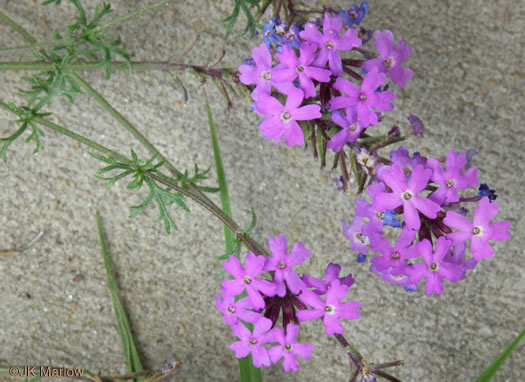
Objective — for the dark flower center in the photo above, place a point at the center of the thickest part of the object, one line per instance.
(329, 309)
(247, 280)
(300, 69)
(282, 265)
(396, 255)
(231, 309)
(288, 348)
(380, 215)
(388, 63)
(285, 117)
(363, 97)
(329, 45)
(253, 341)
(407, 195)
(353, 127)
(450, 183)
(266, 76)
(433, 267)
(477, 231)
(407, 171)
(361, 238)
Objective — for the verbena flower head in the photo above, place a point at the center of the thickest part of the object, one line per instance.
(390, 58)
(363, 99)
(480, 231)
(435, 269)
(331, 309)
(245, 279)
(288, 348)
(282, 262)
(330, 42)
(405, 193)
(252, 342)
(281, 121)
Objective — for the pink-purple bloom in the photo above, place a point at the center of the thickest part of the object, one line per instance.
(281, 121)
(235, 310)
(451, 179)
(352, 129)
(367, 210)
(262, 73)
(480, 231)
(252, 342)
(364, 98)
(435, 269)
(331, 274)
(401, 279)
(246, 279)
(288, 348)
(301, 67)
(331, 309)
(354, 233)
(393, 257)
(282, 262)
(330, 42)
(390, 58)
(406, 194)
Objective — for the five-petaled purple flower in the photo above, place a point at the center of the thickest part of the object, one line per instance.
(281, 121)
(330, 42)
(393, 257)
(289, 349)
(363, 99)
(352, 129)
(246, 279)
(480, 231)
(331, 274)
(331, 310)
(235, 310)
(452, 178)
(405, 193)
(252, 342)
(301, 67)
(390, 58)
(435, 268)
(282, 262)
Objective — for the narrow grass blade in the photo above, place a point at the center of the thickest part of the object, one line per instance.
(249, 373)
(494, 366)
(124, 329)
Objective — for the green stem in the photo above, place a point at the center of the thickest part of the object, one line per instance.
(36, 45)
(25, 34)
(132, 15)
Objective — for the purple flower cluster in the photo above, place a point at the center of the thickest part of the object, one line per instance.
(423, 194)
(248, 298)
(302, 66)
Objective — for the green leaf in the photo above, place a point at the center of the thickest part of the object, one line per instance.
(494, 366)
(251, 23)
(124, 329)
(249, 373)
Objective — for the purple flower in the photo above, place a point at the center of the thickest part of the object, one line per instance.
(351, 130)
(402, 158)
(395, 257)
(480, 231)
(390, 59)
(435, 269)
(330, 42)
(367, 210)
(289, 349)
(245, 279)
(456, 255)
(291, 38)
(354, 233)
(416, 125)
(282, 262)
(301, 67)
(484, 190)
(331, 274)
(261, 74)
(363, 99)
(270, 34)
(452, 178)
(253, 342)
(405, 193)
(281, 121)
(401, 279)
(355, 14)
(235, 310)
(331, 310)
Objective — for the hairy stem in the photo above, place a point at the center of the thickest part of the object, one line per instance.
(25, 34)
